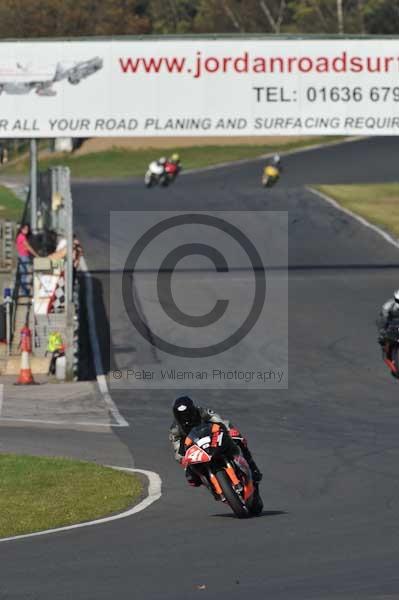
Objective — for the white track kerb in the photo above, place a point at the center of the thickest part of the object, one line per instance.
(154, 493)
(95, 347)
(154, 480)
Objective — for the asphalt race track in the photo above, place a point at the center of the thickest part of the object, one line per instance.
(328, 445)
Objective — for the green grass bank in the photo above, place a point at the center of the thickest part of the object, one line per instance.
(11, 206)
(378, 203)
(39, 493)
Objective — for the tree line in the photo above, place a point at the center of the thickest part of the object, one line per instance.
(69, 18)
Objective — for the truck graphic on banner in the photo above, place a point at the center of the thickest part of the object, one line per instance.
(21, 78)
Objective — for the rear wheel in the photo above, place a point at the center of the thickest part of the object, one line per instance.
(395, 360)
(232, 498)
(257, 504)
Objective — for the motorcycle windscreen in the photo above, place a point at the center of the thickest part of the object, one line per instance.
(195, 455)
(200, 431)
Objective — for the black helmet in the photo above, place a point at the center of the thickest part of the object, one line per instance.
(186, 413)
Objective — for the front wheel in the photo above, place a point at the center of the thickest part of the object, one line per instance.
(148, 180)
(232, 498)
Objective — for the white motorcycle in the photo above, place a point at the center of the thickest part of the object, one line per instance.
(155, 174)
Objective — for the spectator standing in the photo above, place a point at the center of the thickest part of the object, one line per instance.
(61, 251)
(25, 254)
(77, 252)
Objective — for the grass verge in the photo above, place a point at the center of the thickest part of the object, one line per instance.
(119, 163)
(378, 203)
(11, 206)
(38, 493)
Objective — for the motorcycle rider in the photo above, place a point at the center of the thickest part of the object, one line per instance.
(175, 159)
(271, 170)
(188, 415)
(389, 312)
(161, 162)
(275, 161)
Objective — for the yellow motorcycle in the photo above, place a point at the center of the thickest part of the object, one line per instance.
(270, 176)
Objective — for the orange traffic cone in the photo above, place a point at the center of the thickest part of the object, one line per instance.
(25, 373)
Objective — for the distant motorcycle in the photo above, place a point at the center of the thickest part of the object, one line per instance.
(270, 176)
(217, 460)
(161, 174)
(390, 349)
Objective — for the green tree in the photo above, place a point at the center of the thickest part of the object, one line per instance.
(69, 18)
(54, 18)
(241, 16)
(324, 16)
(122, 17)
(173, 16)
(382, 17)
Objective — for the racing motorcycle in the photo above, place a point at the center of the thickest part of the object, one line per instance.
(217, 460)
(390, 349)
(270, 176)
(161, 174)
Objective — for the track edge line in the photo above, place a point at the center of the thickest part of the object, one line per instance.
(387, 237)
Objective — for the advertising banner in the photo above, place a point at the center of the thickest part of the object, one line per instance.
(196, 87)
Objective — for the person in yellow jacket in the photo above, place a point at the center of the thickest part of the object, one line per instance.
(55, 346)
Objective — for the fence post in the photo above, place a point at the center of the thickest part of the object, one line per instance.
(69, 305)
(33, 184)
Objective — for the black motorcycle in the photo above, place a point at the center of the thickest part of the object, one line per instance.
(390, 348)
(218, 462)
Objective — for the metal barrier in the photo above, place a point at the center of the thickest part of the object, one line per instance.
(54, 218)
(7, 236)
(62, 221)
